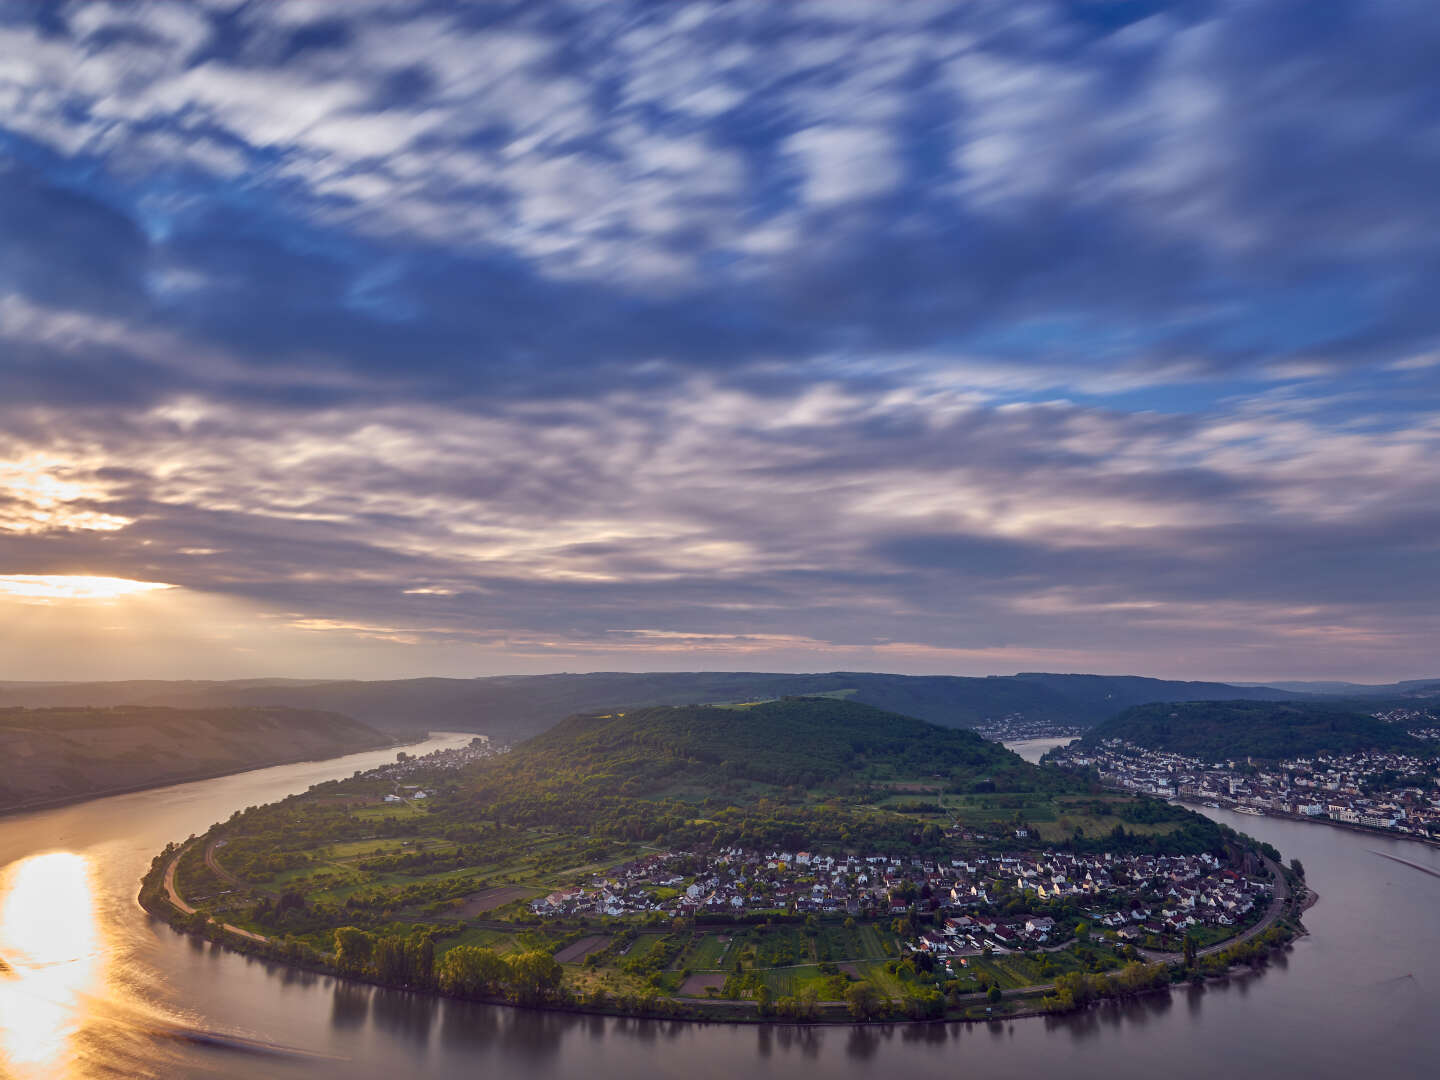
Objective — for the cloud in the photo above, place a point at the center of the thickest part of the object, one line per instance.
(819, 332)
(853, 525)
(845, 163)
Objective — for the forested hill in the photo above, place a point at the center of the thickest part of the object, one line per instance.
(1269, 730)
(513, 707)
(805, 771)
(812, 773)
(806, 742)
(53, 755)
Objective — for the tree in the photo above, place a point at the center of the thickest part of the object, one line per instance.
(1189, 953)
(353, 949)
(994, 994)
(468, 970)
(863, 1000)
(535, 975)
(926, 1003)
(394, 960)
(808, 1003)
(424, 973)
(1298, 868)
(762, 1000)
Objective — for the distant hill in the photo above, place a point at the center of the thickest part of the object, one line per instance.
(1408, 688)
(517, 706)
(58, 754)
(1233, 729)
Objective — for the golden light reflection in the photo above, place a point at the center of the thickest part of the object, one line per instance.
(50, 937)
(49, 587)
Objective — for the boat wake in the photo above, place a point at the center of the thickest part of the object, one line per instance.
(1406, 862)
(222, 1040)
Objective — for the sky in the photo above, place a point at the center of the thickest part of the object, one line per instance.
(375, 340)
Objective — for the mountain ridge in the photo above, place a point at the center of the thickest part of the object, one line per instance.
(518, 706)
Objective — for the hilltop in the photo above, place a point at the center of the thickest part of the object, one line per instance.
(55, 755)
(816, 772)
(809, 742)
(1231, 729)
(518, 706)
(797, 770)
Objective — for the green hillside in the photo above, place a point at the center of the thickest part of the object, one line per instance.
(802, 772)
(806, 742)
(1229, 729)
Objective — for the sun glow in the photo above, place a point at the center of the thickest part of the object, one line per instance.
(46, 588)
(50, 938)
(43, 494)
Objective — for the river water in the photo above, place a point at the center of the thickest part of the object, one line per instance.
(1032, 750)
(101, 990)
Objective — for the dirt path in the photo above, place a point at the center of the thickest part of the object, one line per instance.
(173, 895)
(169, 886)
(218, 870)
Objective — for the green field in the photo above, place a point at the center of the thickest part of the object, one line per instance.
(708, 952)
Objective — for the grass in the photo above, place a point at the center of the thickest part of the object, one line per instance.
(643, 946)
(887, 984)
(708, 953)
(193, 879)
(355, 849)
(873, 943)
(498, 940)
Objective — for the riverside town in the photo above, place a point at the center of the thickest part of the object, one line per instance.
(1395, 791)
(1149, 900)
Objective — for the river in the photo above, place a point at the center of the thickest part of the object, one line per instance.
(1032, 750)
(101, 990)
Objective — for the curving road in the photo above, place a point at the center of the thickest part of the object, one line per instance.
(173, 895)
(1277, 908)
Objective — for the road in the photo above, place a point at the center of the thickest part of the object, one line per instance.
(1277, 908)
(173, 895)
(218, 870)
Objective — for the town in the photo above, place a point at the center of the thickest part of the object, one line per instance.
(408, 765)
(1014, 727)
(1378, 789)
(949, 908)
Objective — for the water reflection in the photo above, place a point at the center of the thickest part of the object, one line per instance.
(94, 989)
(50, 936)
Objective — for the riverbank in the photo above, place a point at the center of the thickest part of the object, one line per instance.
(1340, 1000)
(160, 897)
(1285, 815)
(33, 805)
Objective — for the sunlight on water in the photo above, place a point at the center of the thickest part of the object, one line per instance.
(51, 939)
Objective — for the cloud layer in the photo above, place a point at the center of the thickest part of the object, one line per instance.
(812, 335)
